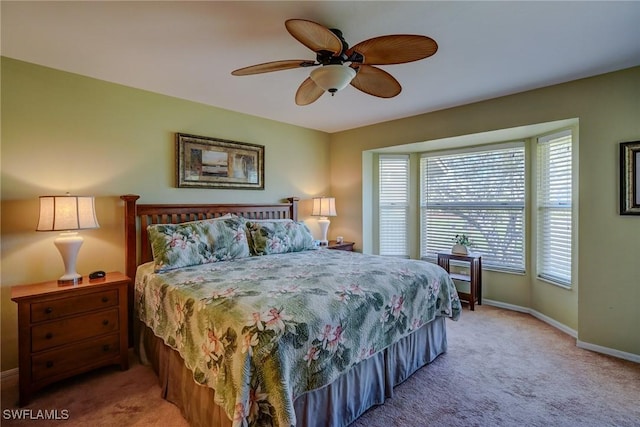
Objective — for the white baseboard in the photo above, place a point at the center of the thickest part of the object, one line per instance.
(609, 351)
(504, 305)
(567, 330)
(561, 326)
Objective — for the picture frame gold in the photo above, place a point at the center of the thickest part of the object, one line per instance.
(630, 178)
(205, 162)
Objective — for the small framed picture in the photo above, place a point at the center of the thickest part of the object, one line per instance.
(630, 178)
(203, 162)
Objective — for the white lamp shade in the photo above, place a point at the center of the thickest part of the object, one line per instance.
(333, 78)
(63, 213)
(324, 206)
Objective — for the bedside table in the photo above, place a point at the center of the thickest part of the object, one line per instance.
(344, 246)
(67, 330)
(474, 277)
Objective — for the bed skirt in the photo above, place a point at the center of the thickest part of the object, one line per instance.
(336, 405)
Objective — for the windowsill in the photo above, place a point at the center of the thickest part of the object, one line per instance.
(434, 260)
(554, 283)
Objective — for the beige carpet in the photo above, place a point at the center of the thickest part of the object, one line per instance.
(502, 369)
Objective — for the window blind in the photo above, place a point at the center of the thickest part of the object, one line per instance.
(554, 208)
(393, 204)
(480, 194)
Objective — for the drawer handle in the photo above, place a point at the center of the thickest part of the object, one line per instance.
(105, 322)
(49, 364)
(105, 299)
(48, 310)
(49, 335)
(105, 347)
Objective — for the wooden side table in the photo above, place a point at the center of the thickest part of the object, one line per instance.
(67, 330)
(474, 277)
(344, 246)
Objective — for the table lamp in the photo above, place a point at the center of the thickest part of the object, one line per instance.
(324, 207)
(67, 214)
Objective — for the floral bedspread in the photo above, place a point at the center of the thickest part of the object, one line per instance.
(262, 330)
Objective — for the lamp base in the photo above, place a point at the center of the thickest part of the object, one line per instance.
(69, 282)
(68, 244)
(324, 222)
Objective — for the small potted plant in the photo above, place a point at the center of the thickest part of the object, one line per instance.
(461, 245)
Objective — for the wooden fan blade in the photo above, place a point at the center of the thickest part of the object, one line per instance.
(314, 36)
(268, 67)
(395, 49)
(376, 82)
(308, 92)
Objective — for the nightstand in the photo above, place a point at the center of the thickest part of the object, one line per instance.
(344, 246)
(67, 330)
(474, 277)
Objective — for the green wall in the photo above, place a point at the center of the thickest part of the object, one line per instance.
(607, 285)
(64, 132)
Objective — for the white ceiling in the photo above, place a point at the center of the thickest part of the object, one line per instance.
(188, 49)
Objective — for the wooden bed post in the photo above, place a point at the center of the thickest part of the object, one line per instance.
(130, 233)
(130, 255)
(294, 207)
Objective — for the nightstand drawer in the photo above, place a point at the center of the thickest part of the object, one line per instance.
(54, 309)
(74, 357)
(64, 331)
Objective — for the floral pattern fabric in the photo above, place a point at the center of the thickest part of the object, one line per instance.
(278, 237)
(197, 242)
(263, 330)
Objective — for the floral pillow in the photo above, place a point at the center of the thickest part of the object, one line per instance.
(277, 237)
(197, 242)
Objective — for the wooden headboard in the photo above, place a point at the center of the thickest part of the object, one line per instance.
(138, 217)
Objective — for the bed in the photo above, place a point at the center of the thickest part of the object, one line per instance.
(247, 323)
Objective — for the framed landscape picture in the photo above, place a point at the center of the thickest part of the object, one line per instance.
(203, 162)
(630, 178)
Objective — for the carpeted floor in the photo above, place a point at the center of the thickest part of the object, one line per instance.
(502, 368)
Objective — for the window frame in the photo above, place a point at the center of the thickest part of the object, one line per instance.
(404, 205)
(521, 206)
(563, 282)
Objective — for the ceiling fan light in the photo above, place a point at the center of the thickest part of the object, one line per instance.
(333, 78)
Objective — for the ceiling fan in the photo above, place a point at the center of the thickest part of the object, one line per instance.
(338, 64)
